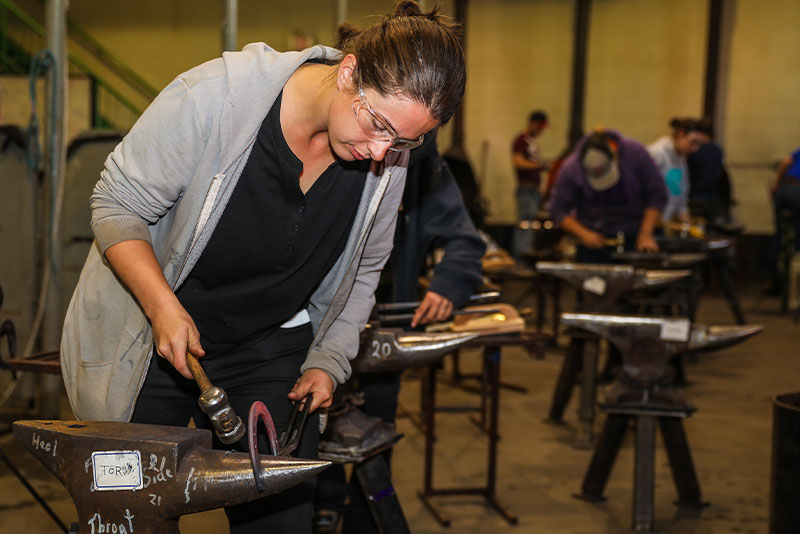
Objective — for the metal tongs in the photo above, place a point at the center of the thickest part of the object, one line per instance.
(290, 437)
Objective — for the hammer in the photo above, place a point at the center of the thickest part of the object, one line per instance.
(214, 402)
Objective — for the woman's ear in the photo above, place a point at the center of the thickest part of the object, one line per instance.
(346, 72)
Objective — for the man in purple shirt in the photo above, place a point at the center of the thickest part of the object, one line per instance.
(609, 184)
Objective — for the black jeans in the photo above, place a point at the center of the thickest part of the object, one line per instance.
(265, 370)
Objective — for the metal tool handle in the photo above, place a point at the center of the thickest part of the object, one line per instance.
(197, 372)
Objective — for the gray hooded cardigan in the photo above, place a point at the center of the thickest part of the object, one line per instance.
(167, 183)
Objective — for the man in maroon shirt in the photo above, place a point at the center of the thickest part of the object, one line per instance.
(528, 165)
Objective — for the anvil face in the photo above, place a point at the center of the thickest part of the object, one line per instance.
(689, 244)
(602, 285)
(130, 478)
(660, 260)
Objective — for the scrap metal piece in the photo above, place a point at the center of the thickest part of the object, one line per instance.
(140, 479)
(384, 349)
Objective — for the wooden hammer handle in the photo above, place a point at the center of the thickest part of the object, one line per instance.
(197, 372)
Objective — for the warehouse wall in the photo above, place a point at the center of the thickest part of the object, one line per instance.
(645, 64)
(519, 59)
(761, 122)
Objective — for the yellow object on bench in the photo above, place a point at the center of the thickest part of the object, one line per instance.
(487, 319)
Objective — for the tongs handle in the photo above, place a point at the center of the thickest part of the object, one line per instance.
(290, 437)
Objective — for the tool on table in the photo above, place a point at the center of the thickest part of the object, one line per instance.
(214, 402)
(617, 242)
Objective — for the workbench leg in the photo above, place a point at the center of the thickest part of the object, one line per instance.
(492, 357)
(428, 415)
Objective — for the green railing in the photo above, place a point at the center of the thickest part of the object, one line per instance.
(21, 38)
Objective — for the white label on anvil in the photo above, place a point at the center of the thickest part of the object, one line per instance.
(117, 470)
(675, 330)
(595, 285)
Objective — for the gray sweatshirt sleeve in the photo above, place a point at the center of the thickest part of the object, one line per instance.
(341, 342)
(147, 171)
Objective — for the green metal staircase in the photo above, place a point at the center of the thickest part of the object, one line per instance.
(112, 106)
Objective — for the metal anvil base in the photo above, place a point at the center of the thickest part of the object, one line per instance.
(128, 478)
(354, 436)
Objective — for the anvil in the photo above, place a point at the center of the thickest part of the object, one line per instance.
(660, 260)
(692, 244)
(602, 285)
(648, 343)
(645, 394)
(388, 349)
(129, 478)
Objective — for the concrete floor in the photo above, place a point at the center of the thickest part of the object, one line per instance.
(539, 470)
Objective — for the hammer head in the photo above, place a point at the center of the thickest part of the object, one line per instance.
(227, 425)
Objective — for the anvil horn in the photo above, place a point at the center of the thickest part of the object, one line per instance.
(393, 350)
(658, 277)
(709, 338)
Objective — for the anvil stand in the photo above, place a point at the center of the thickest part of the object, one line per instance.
(491, 370)
(39, 499)
(47, 363)
(677, 447)
(376, 485)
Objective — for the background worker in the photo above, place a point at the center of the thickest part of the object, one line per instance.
(529, 166)
(609, 184)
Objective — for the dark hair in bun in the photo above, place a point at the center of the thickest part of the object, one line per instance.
(412, 53)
